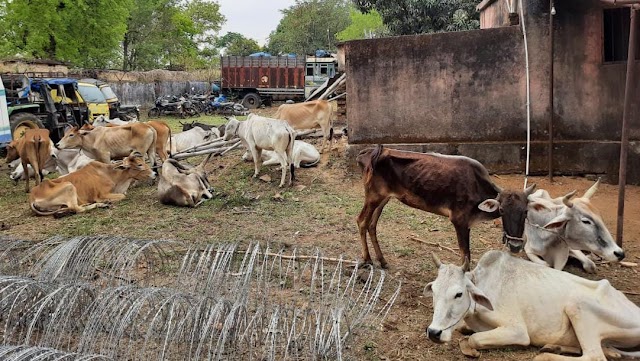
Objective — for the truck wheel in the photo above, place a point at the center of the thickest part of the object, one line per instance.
(251, 101)
(21, 122)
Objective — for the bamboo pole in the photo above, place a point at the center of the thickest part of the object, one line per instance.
(624, 142)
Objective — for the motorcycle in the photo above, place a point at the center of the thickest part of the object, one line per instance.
(172, 105)
(220, 105)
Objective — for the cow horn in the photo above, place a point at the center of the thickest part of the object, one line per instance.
(591, 191)
(566, 199)
(465, 265)
(436, 260)
(530, 189)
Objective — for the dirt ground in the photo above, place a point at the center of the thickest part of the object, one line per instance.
(319, 211)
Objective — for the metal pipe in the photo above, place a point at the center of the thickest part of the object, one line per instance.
(624, 142)
(550, 150)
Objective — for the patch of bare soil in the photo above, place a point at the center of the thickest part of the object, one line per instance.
(320, 211)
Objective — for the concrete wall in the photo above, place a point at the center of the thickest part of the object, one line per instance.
(466, 90)
(145, 94)
(447, 87)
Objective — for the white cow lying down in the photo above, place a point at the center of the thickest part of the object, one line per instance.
(304, 155)
(509, 301)
(558, 228)
(63, 161)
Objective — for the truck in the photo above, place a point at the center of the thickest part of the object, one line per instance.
(257, 80)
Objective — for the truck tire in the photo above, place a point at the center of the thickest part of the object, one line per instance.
(21, 122)
(251, 101)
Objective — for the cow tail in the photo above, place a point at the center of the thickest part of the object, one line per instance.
(292, 139)
(170, 141)
(37, 167)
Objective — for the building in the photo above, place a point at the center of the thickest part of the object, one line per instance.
(465, 92)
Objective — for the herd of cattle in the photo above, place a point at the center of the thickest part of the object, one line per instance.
(99, 162)
(504, 301)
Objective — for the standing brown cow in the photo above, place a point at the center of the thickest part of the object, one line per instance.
(163, 136)
(309, 115)
(453, 186)
(33, 149)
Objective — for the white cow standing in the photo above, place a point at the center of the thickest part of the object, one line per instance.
(304, 155)
(559, 228)
(508, 301)
(258, 133)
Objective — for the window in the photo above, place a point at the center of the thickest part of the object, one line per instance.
(310, 70)
(323, 69)
(616, 34)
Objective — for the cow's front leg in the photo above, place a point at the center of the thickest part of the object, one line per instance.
(587, 264)
(536, 259)
(499, 337)
(462, 232)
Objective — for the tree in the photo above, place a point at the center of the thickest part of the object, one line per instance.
(363, 26)
(172, 33)
(84, 32)
(309, 25)
(237, 44)
(405, 17)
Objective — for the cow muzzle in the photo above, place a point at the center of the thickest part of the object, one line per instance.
(515, 243)
(434, 335)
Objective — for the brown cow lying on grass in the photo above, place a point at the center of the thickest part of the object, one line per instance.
(456, 187)
(34, 149)
(95, 185)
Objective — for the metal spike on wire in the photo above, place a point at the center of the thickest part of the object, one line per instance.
(217, 302)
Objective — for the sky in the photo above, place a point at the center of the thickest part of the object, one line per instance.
(255, 19)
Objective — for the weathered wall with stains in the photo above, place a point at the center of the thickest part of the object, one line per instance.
(464, 93)
(465, 86)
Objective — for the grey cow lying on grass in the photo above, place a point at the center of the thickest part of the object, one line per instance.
(559, 228)
(508, 301)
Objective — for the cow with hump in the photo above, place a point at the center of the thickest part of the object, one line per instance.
(33, 149)
(456, 187)
(108, 143)
(95, 185)
(183, 185)
(259, 133)
(559, 228)
(309, 115)
(508, 301)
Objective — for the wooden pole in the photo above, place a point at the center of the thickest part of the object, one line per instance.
(624, 142)
(550, 150)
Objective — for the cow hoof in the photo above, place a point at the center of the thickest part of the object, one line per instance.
(589, 267)
(465, 330)
(467, 350)
(364, 262)
(384, 264)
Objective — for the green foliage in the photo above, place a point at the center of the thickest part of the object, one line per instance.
(237, 44)
(363, 25)
(171, 33)
(84, 32)
(134, 34)
(310, 25)
(405, 17)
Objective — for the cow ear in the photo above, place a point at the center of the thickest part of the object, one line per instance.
(83, 132)
(539, 206)
(428, 289)
(478, 296)
(122, 166)
(558, 222)
(489, 205)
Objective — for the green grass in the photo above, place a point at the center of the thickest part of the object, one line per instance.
(176, 127)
